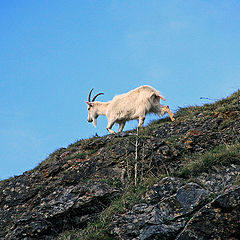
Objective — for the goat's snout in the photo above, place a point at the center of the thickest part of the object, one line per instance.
(89, 120)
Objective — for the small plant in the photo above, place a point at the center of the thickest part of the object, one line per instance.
(79, 155)
(237, 180)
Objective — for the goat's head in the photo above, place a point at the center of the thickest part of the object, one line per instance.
(92, 109)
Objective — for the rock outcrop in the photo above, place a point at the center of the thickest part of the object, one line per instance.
(164, 214)
(169, 207)
(72, 187)
(220, 219)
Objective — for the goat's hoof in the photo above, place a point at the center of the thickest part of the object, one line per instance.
(111, 131)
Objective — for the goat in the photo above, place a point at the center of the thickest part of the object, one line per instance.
(132, 105)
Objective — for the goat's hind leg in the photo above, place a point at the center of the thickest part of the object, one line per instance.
(167, 109)
(121, 126)
(141, 121)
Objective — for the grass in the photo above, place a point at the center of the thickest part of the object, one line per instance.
(221, 155)
(80, 155)
(52, 157)
(73, 150)
(221, 107)
(237, 181)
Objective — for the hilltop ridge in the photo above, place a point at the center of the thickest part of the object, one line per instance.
(175, 180)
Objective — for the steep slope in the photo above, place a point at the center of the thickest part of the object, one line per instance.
(176, 180)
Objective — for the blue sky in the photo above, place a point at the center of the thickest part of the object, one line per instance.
(53, 52)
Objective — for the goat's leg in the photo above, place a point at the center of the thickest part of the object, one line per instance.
(166, 109)
(121, 126)
(109, 126)
(141, 121)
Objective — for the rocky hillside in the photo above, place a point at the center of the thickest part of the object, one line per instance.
(175, 180)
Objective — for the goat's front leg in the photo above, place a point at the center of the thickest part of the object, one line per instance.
(109, 126)
(141, 121)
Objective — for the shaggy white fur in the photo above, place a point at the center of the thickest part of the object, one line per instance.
(135, 104)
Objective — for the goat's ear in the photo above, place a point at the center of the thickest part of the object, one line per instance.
(153, 96)
(157, 96)
(89, 104)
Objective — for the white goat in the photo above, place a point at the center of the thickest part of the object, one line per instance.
(132, 105)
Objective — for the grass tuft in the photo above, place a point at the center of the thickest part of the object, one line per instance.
(221, 155)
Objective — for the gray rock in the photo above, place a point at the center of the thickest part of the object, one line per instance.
(220, 219)
(165, 218)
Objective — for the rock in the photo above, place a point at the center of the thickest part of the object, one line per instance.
(219, 179)
(219, 219)
(63, 209)
(165, 188)
(185, 201)
(164, 215)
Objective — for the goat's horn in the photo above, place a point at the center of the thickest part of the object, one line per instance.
(96, 96)
(89, 96)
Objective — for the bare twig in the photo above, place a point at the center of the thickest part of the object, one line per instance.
(142, 161)
(136, 158)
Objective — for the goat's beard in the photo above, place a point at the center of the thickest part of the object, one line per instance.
(95, 122)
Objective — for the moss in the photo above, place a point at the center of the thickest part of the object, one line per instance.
(114, 182)
(81, 155)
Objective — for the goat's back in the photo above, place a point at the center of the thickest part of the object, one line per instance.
(132, 104)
